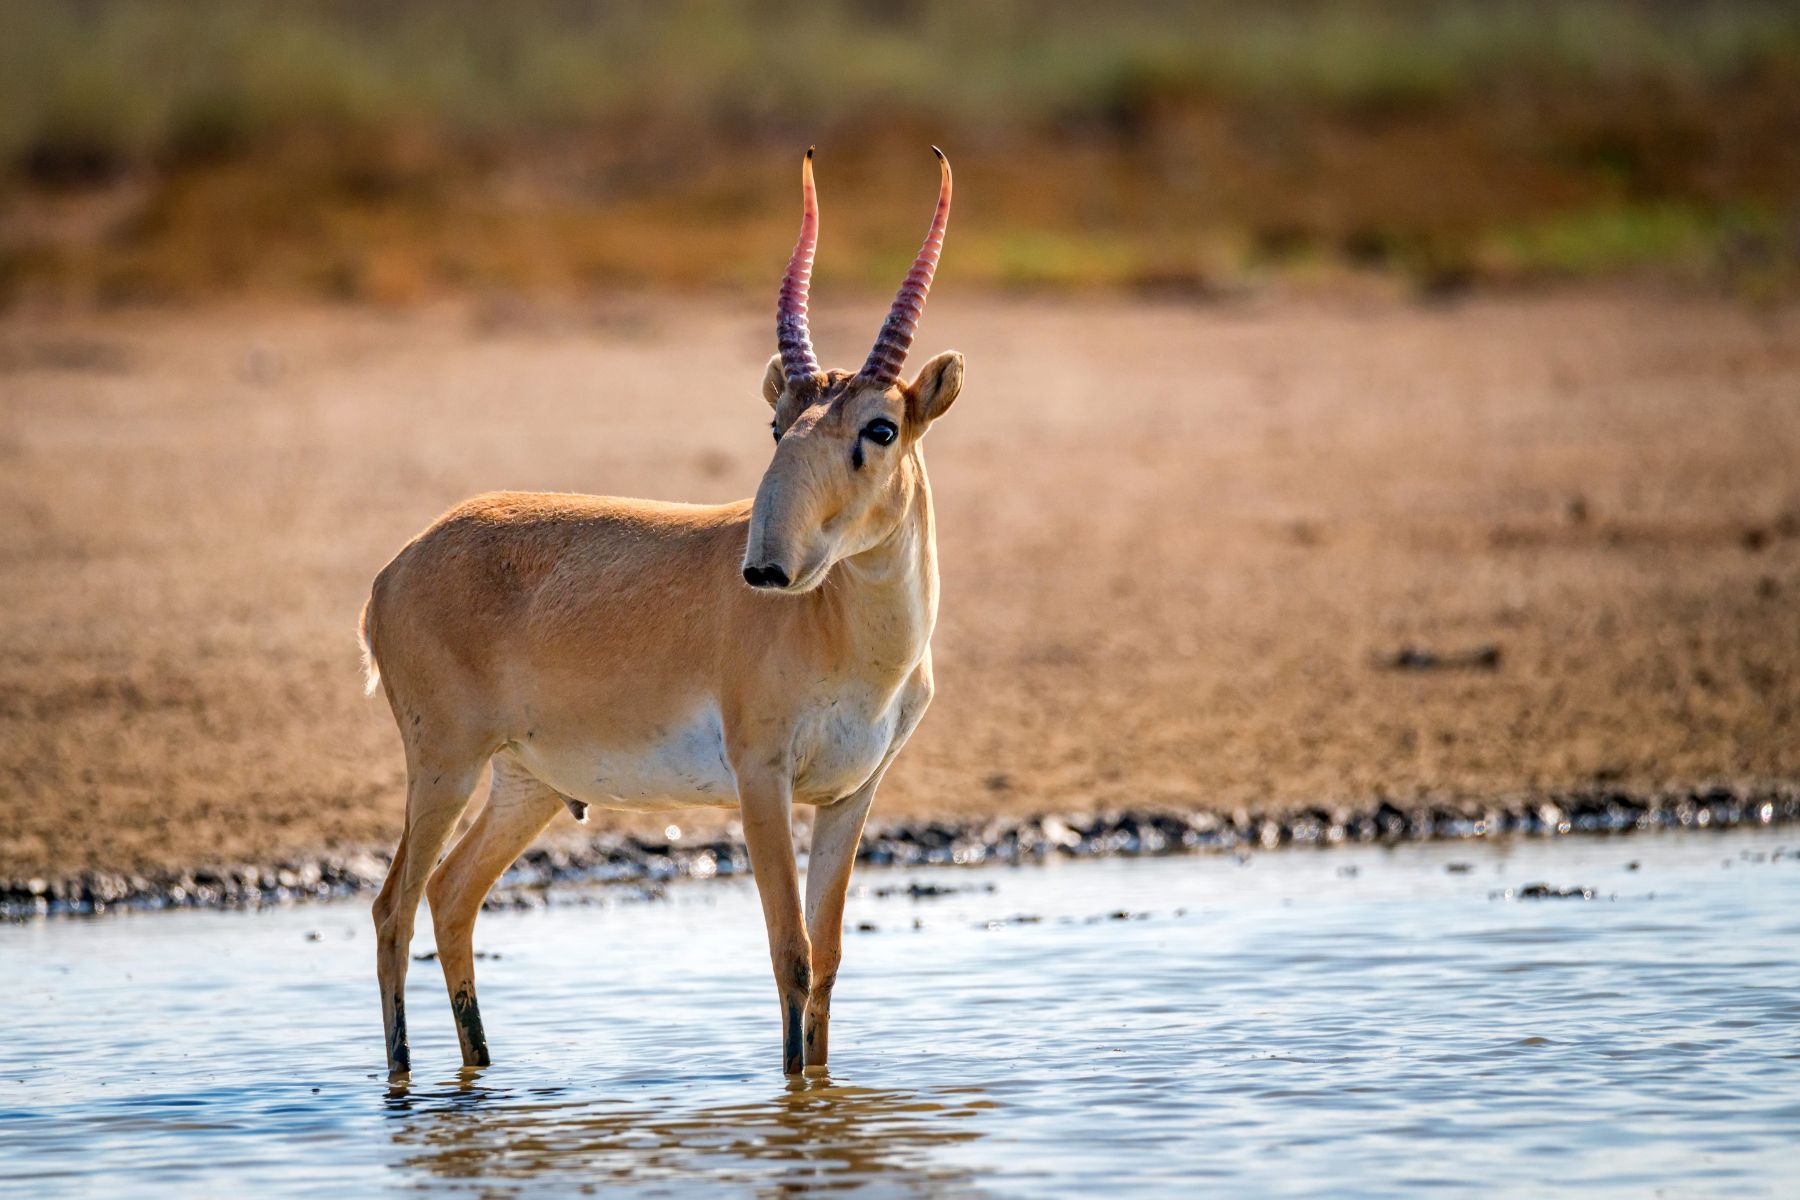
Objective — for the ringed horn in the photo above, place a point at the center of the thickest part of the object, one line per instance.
(896, 335)
(792, 337)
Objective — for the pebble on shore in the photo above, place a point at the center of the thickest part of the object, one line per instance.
(624, 859)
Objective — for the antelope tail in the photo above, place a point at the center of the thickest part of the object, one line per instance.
(371, 668)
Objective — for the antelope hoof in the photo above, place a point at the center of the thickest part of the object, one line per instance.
(399, 1054)
(468, 1028)
(792, 1060)
(818, 1040)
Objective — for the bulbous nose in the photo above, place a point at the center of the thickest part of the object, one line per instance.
(767, 576)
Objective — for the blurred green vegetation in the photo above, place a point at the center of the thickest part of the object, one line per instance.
(391, 148)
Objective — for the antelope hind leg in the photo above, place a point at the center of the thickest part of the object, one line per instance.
(517, 810)
(435, 800)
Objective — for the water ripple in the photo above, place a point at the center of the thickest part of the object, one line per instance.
(1172, 1026)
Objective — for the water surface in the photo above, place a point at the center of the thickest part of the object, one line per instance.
(1362, 1021)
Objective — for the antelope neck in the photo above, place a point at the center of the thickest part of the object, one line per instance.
(885, 598)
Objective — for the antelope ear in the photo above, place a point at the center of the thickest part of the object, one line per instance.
(774, 380)
(935, 388)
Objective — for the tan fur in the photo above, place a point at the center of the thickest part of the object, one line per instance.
(608, 651)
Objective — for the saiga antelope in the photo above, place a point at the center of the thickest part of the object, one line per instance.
(640, 655)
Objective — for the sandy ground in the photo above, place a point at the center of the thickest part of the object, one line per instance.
(1182, 546)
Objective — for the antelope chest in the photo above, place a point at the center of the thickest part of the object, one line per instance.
(840, 742)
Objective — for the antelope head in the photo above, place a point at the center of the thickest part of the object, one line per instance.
(845, 470)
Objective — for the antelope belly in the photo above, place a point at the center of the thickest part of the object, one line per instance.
(683, 766)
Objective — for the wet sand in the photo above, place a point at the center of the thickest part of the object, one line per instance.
(1249, 560)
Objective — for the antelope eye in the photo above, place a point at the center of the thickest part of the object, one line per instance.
(881, 431)
(775, 429)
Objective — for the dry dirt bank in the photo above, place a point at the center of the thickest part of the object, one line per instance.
(1227, 558)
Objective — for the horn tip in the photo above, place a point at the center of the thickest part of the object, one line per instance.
(809, 151)
(939, 153)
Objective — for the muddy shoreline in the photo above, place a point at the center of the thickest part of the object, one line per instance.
(629, 859)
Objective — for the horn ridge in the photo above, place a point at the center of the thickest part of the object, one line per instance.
(792, 336)
(889, 353)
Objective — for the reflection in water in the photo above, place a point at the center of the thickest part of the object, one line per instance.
(814, 1134)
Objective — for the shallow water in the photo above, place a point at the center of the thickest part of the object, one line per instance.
(1359, 1021)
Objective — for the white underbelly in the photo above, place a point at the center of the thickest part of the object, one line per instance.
(684, 767)
(835, 749)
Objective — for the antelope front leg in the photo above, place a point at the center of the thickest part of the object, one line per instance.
(837, 828)
(767, 803)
